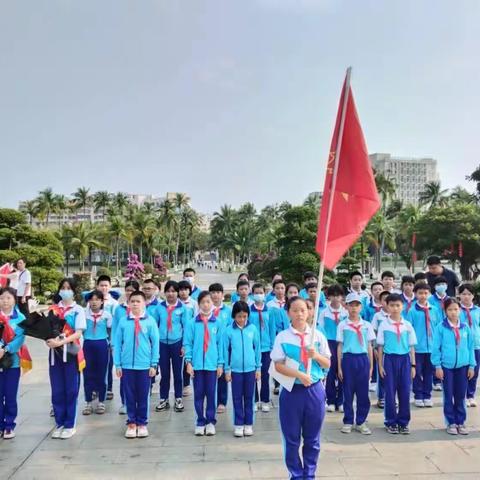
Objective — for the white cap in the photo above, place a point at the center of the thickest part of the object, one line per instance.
(353, 297)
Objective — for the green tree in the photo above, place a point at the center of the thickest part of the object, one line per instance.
(46, 203)
(84, 241)
(432, 195)
(82, 200)
(101, 201)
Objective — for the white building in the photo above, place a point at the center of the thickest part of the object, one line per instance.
(409, 174)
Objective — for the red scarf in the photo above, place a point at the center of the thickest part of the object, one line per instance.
(409, 302)
(303, 350)
(206, 333)
(398, 326)
(469, 315)
(8, 336)
(426, 311)
(170, 309)
(358, 329)
(95, 317)
(456, 331)
(67, 331)
(216, 311)
(59, 311)
(137, 328)
(336, 314)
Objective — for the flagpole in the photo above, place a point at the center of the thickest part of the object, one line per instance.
(338, 148)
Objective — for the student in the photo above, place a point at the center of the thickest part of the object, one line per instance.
(278, 300)
(470, 315)
(13, 351)
(243, 291)
(439, 296)
(308, 277)
(172, 321)
(65, 367)
(150, 289)
(235, 296)
(329, 320)
(420, 277)
(242, 355)
(424, 319)
(355, 365)
(388, 281)
(223, 314)
(396, 365)
(184, 292)
(311, 314)
(408, 295)
(312, 289)
(271, 294)
(262, 319)
(356, 284)
(204, 357)
(454, 361)
(122, 312)
(136, 359)
(302, 410)
(96, 351)
(189, 276)
(373, 305)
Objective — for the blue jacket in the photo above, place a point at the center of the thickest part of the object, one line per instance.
(369, 309)
(236, 297)
(407, 304)
(98, 330)
(475, 326)
(224, 315)
(120, 312)
(416, 317)
(193, 344)
(280, 318)
(196, 292)
(152, 308)
(446, 353)
(323, 299)
(326, 320)
(16, 343)
(242, 349)
(436, 302)
(179, 321)
(267, 330)
(136, 353)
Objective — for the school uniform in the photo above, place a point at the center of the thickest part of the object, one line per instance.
(235, 297)
(204, 350)
(471, 316)
(424, 321)
(303, 294)
(302, 410)
(191, 311)
(122, 311)
(438, 303)
(12, 341)
(328, 321)
(408, 303)
(376, 321)
(109, 306)
(96, 351)
(242, 355)
(136, 351)
(269, 297)
(264, 321)
(65, 369)
(397, 338)
(223, 314)
(278, 310)
(453, 352)
(355, 337)
(369, 309)
(363, 294)
(196, 291)
(172, 320)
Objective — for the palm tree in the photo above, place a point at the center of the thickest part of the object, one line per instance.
(119, 204)
(222, 226)
(101, 201)
(46, 203)
(313, 200)
(433, 195)
(30, 207)
(180, 202)
(140, 223)
(167, 219)
(380, 233)
(189, 220)
(60, 206)
(83, 199)
(386, 188)
(116, 229)
(462, 196)
(84, 240)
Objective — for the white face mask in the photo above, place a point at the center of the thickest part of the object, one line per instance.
(189, 280)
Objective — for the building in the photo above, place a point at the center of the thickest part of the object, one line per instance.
(409, 174)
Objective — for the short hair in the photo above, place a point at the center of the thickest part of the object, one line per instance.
(244, 274)
(387, 274)
(171, 284)
(184, 285)
(138, 293)
(150, 280)
(407, 279)
(242, 283)
(439, 279)
(335, 290)
(13, 293)
(309, 274)
(292, 300)
(385, 293)
(103, 278)
(422, 286)
(393, 297)
(354, 274)
(433, 260)
(18, 259)
(70, 281)
(449, 302)
(291, 285)
(203, 295)
(258, 285)
(215, 287)
(310, 285)
(420, 276)
(132, 283)
(276, 282)
(468, 287)
(189, 269)
(94, 293)
(239, 307)
(376, 283)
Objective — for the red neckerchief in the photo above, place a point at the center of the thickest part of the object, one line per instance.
(303, 349)
(409, 302)
(8, 336)
(137, 328)
(95, 317)
(426, 311)
(358, 329)
(59, 311)
(336, 316)
(398, 326)
(456, 331)
(216, 311)
(206, 333)
(8, 332)
(469, 314)
(170, 309)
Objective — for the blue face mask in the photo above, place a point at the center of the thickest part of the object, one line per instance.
(441, 288)
(259, 297)
(66, 294)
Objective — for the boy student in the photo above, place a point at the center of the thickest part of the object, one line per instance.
(396, 365)
(189, 276)
(223, 314)
(470, 315)
(262, 319)
(235, 297)
(454, 361)
(408, 295)
(150, 289)
(308, 277)
(241, 351)
(328, 321)
(356, 283)
(312, 289)
(279, 289)
(373, 304)
(271, 294)
(243, 291)
(355, 365)
(424, 319)
(388, 281)
(204, 357)
(420, 277)
(136, 358)
(172, 320)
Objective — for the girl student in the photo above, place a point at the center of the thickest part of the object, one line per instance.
(241, 344)
(66, 360)
(301, 410)
(13, 356)
(203, 343)
(96, 351)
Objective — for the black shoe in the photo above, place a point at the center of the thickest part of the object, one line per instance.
(163, 405)
(393, 429)
(381, 404)
(404, 430)
(276, 390)
(109, 395)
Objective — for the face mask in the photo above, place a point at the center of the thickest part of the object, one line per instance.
(66, 294)
(189, 280)
(440, 288)
(259, 297)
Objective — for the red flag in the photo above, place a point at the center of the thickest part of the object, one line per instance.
(354, 200)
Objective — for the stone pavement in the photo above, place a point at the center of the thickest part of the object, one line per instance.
(99, 451)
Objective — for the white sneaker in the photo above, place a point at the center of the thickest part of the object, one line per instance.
(346, 428)
(210, 430)
(330, 408)
(248, 430)
(428, 402)
(142, 431)
(57, 433)
(363, 429)
(67, 433)
(8, 434)
(122, 410)
(419, 403)
(187, 391)
(438, 387)
(199, 431)
(255, 407)
(468, 403)
(372, 387)
(265, 407)
(473, 402)
(131, 431)
(238, 432)
(340, 408)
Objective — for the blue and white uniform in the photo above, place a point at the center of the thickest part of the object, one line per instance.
(471, 316)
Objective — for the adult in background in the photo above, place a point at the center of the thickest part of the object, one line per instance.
(436, 269)
(24, 286)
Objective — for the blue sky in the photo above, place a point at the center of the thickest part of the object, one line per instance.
(229, 101)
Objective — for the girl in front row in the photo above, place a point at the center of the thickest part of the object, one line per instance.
(302, 410)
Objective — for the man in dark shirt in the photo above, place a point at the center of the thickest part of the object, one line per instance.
(436, 269)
